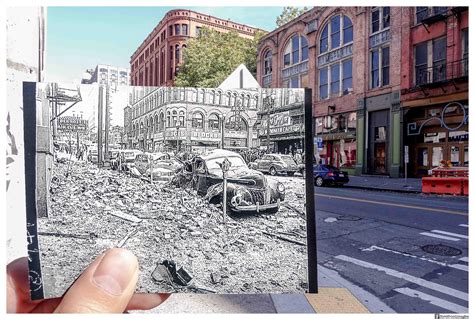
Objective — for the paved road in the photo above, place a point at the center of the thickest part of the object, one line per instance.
(375, 240)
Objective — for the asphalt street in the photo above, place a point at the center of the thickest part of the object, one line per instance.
(380, 241)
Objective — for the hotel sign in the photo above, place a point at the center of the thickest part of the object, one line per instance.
(287, 129)
(379, 38)
(295, 69)
(72, 124)
(335, 55)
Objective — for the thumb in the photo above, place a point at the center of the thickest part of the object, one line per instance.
(106, 286)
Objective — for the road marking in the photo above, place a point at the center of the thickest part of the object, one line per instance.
(450, 234)
(460, 267)
(463, 225)
(440, 236)
(465, 259)
(432, 300)
(394, 273)
(456, 266)
(438, 210)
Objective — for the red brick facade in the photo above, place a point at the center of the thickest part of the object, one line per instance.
(157, 59)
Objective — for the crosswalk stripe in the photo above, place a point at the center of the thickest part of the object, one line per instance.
(460, 267)
(433, 300)
(463, 225)
(419, 281)
(439, 236)
(465, 259)
(449, 234)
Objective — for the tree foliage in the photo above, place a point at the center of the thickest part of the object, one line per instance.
(288, 14)
(211, 57)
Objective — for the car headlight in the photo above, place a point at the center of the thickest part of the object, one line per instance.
(280, 188)
(242, 192)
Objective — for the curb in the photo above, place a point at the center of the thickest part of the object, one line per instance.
(397, 190)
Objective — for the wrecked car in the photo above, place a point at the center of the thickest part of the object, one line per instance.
(158, 166)
(275, 164)
(248, 190)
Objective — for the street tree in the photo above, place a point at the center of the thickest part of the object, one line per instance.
(288, 14)
(211, 57)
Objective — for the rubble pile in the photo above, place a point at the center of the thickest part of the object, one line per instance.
(94, 209)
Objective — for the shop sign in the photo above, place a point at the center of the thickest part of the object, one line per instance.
(206, 136)
(337, 136)
(72, 124)
(335, 55)
(319, 142)
(379, 38)
(158, 135)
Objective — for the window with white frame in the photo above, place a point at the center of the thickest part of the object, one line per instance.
(214, 122)
(296, 50)
(335, 79)
(379, 67)
(336, 33)
(267, 63)
(380, 19)
(198, 120)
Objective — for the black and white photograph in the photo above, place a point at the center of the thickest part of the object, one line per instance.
(206, 186)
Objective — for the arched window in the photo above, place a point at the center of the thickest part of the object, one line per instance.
(296, 50)
(177, 52)
(157, 126)
(337, 32)
(181, 118)
(141, 127)
(267, 62)
(174, 118)
(236, 123)
(219, 97)
(201, 95)
(198, 120)
(152, 126)
(168, 119)
(162, 122)
(228, 99)
(212, 97)
(214, 122)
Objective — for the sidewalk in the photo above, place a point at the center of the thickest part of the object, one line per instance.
(384, 183)
(336, 295)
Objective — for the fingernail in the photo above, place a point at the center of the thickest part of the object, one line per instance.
(115, 271)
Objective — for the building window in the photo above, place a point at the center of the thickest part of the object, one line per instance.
(296, 51)
(162, 122)
(198, 31)
(380, 67)
(177, 53)
(331, 35)
(380, 18)
(198, 120)
(177, 29)
(181, 118)
(430, 61)
(465, 51)
(267, 63)
(214, 122)
(330, 84)
(184, 29)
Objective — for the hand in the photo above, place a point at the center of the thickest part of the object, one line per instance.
(106, 286)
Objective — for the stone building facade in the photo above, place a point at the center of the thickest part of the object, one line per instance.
(156, 61)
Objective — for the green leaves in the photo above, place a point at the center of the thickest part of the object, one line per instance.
(210, 58)
(288, 14)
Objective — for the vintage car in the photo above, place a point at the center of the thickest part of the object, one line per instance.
(126, 159)
(248, 190)
(276, 163)
(158, 166)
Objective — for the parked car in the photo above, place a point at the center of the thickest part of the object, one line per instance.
(162, 165)
(329, 175)
(93, 156)
(127, 159)
(276, 163)
(248, 190)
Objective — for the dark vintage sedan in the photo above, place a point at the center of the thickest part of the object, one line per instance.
(276, 163)
(329, 175)
(248, 190)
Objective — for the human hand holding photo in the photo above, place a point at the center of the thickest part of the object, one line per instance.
(106, 286)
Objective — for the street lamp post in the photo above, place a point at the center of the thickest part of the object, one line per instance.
(268, 103)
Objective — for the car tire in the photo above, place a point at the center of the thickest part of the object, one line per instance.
(273, 171)
(291, 173)
(319, 181)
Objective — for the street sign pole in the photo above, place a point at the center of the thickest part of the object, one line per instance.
(406, 163)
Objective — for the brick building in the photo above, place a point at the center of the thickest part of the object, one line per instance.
(157, 59)
(350, 58)
(434, 86)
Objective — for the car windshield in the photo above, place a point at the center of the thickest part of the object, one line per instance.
(287, 159)
(235, 162)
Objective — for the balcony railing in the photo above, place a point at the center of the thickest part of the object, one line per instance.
(441, 72)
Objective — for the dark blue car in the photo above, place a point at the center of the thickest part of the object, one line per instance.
(329, 175)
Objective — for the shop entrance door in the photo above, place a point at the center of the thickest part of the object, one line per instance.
(380, 158)
(378, 138)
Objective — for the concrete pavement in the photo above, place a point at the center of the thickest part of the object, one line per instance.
(385, 183)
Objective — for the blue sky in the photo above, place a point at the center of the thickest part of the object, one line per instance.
(79, 38)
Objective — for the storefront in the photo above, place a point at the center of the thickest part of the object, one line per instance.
(437, 135)
(339, 147)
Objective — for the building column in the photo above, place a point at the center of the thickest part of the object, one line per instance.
(360, 137)
(395, 136)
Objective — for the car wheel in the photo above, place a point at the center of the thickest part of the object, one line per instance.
(273, 171)
(291, 173)
(319, 181)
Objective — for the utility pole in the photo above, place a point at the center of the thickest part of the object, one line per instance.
(107, 122)
(99, 127)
